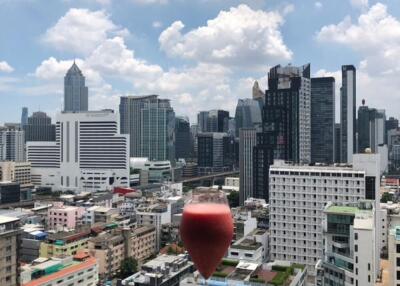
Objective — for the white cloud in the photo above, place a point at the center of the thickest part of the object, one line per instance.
(156, 24)
(5, 67)
(238, 37)
(80, 31)
(359, 4)
(318, 5)
(147, 2)
(375, 36)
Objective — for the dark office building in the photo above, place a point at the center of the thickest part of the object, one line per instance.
(391, 123)
(363, 127)
(183, 140)
(9, 193)
(39, 128)
(337, 142)
(322, 119)
(211, 149)
(213, 121)
(230, 152)
(286, 131)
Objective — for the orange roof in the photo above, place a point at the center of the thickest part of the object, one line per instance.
(63, 273)
(81, 255)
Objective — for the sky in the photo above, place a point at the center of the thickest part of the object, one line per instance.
(201, 54)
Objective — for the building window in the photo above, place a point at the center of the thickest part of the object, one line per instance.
(355, 248)
(355, 236)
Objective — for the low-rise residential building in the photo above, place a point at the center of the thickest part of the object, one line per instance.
(78, 270)
(156, 215)
(65, 243)
(61, 216)
(253, 248)
(349, 236)
(243, 223)
(232, 182)
(9, 237)
(162, 271)
(31, 238)
(17, 172)
(104, 215)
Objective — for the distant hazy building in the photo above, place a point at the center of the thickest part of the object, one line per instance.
(24, 116)
(150, 122)
(391, 123)
(39, 128)
(348, 113)
(248, 114)
(322, 119)
(394, 150)
(286, 130)
(213, 121)
(75, 91)
(183, 140)
(257, 92)
(247, 141)
(12, 144)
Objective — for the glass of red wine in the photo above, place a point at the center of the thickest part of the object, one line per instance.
(207, 229)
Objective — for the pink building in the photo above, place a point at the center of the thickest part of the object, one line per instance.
(60, 216)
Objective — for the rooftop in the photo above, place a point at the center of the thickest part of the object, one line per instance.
(6, 219)
(342, 210)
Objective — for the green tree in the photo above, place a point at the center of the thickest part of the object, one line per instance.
(128, 267)
(233, 199)
(386, 197)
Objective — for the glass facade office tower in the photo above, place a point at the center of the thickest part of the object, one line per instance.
(348, 113)
(75, 91)
(322, 119)
(150, 122)
(39, 128)
(248, 114)
(213, 121)
(183, 138)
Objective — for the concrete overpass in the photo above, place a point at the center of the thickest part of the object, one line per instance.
(210, 178)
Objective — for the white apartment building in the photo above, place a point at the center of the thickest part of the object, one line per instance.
(19, 172)
(298, 195)
(350, 255)
(394, 256)
(89, 153)
(12, 143)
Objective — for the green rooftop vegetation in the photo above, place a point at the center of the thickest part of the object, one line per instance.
(342, 209)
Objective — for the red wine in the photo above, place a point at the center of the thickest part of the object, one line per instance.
(206, 230)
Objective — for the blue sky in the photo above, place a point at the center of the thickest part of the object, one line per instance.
(201, 54)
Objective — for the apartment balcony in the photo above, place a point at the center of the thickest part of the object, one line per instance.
(342, 245)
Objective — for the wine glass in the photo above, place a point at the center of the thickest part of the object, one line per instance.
(207, 228)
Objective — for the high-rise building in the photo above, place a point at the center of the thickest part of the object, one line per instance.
(12, 141)
(24, 116)
(298, 195)
(337, 143)
(39, 128)
(9, 240)
(257, 92)
(89, 154)
(371, 128)
(213, 151)
(322, 119)
(348, 113)
(286, 130)
(248, 114)
(247, 142)
(391, 123)
(213, 121)
(394, 150)
(394, 255)
(349, 230)
(150, 122)
(183, 140)
(75, 91)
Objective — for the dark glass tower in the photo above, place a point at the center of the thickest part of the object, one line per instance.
(322, 119)
(75, 91)
(183, 140)
(39, 128)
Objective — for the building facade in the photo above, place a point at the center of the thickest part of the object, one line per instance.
(12, 143)
(150, 122)
(75, 91)
(183, 140)
(322, 119)
(39, 128)
(298, 194)
(348, 104)
(247, 142)
(248, 114)
(9, 252)
(213, 121)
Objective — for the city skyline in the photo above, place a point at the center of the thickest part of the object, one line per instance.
(123, 55)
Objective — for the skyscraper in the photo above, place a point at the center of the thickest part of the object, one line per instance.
(248, 114)
(257, 92)
(286, 130)
(39, 128)
(348, 113)
(150, 122)
(247, 141)
(183, 140)
(322, 119)
(75, 91)
(391, 123)
(24, 116)
(337, 143)
(213, 121)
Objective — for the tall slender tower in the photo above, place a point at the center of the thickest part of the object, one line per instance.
(75, 91)
(348, 113)
(24, 116)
